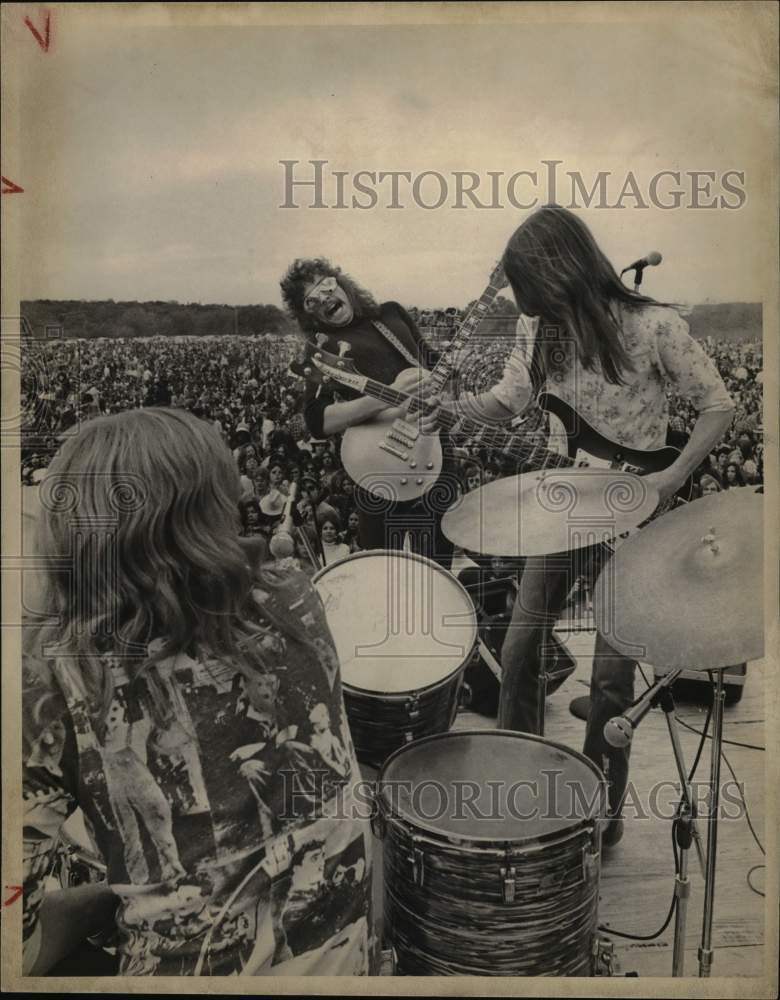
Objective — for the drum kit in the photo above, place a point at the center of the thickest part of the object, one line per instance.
(504, 885)
(488, 869)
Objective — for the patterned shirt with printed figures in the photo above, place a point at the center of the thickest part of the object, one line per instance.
(635, 414)
(228, 832)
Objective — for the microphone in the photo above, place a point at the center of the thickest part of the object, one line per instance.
(282, 544)
(649, 260)
(619, 732)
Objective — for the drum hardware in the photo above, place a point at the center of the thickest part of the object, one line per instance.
(705, 949)
(465, 694)
(711, 552)
(509, 882)
(413, 706)
(417, 859)
(603, 957)
(376, 819)
(590, 861)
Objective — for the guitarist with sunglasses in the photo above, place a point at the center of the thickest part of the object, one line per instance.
(610, 354)
(332, 310)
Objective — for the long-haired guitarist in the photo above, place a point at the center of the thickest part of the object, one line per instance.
(611, 354)
(385, 345)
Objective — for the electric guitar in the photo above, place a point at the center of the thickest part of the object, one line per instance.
(396, 434)
(392, 457)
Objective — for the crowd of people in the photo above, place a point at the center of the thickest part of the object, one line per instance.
(243, 386)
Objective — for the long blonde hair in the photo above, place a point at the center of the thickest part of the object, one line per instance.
(139, 527)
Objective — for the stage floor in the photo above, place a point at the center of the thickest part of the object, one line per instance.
(637, 875)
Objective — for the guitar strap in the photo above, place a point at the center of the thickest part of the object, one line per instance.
(389, 336)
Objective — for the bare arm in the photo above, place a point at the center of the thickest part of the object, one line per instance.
(707, 432)
(485, 407)
(339, 416)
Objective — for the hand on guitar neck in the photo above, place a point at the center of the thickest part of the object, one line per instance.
(412, 382)
(338, 417)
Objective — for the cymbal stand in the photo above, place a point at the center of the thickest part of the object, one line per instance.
(686, 831)
(705, 949)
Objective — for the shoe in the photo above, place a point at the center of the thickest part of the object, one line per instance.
(580, 707)
(613, 833)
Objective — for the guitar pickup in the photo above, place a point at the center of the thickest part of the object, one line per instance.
(404, 430)
(400, 441)
(402, 455)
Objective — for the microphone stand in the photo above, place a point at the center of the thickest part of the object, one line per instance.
(639, 272)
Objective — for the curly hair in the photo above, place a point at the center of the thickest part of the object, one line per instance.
(302, 272)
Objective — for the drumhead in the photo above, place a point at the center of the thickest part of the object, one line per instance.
(400, 622)
(491, 785)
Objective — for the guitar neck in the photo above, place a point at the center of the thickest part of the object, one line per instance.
(445, 365)
(508, 444)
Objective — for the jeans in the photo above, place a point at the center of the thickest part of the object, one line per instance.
(544, 585)
(384, 524)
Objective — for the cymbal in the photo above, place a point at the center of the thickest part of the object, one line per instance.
(687, 590)
(549, 511)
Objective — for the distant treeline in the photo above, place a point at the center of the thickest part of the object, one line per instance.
(727, 321)
(46, 317)
(70, 318)
(721, 321)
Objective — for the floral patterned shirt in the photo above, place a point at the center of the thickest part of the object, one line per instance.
(228, 832)
(636, 414)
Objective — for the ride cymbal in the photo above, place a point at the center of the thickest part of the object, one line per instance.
(687, 591)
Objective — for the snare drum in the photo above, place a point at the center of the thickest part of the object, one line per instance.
(404, 630)
(491, 855)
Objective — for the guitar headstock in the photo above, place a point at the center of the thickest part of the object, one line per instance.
(321, 366)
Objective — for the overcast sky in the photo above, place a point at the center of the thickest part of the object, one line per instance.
(150, 157)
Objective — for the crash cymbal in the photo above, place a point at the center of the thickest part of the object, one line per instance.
(550, 511)
(687, 590)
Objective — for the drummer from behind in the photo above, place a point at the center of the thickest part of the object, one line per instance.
(611, 354)
(190, 704)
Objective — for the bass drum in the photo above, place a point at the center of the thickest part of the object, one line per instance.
(404, 630)
(491, 856)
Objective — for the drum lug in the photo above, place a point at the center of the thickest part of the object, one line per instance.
(508, 883)
(590, 862)
(412, 707)
(603, 963)
(376, 819)
(417, 859)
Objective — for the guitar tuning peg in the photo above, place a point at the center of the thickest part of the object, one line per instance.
(344, 347)
(322, 339)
